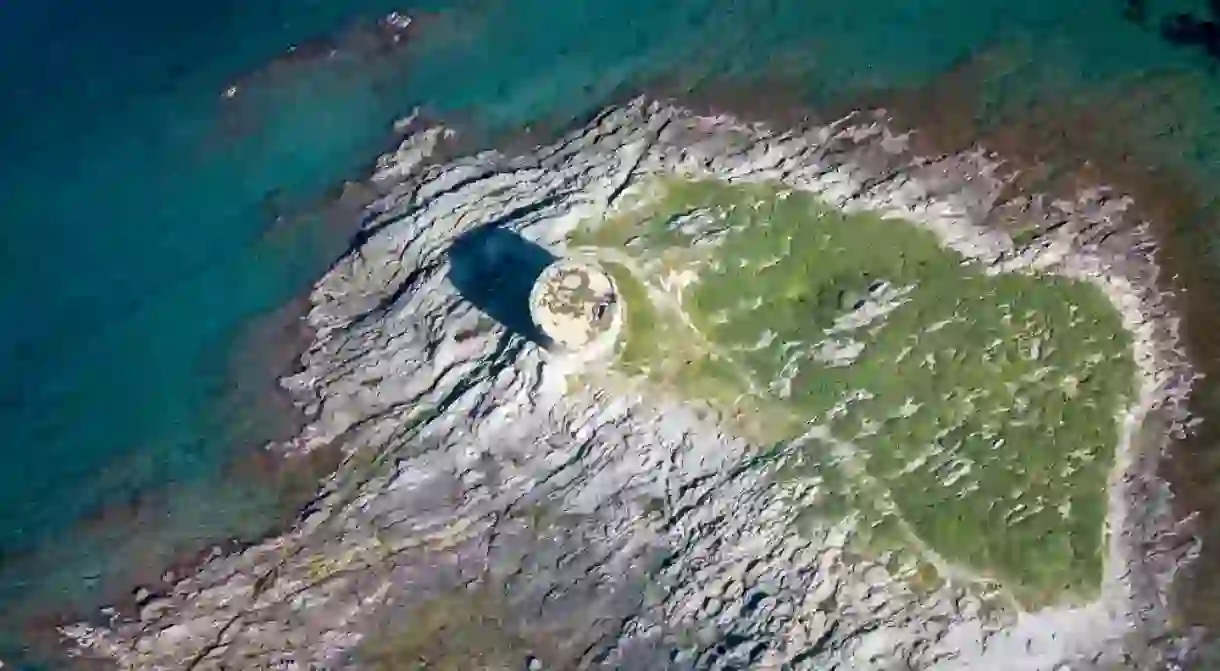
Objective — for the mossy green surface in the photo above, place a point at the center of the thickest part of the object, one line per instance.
(979, 411)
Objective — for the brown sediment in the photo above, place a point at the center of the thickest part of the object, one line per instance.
(362, 41)
(139, 528)
(364, 53)
(269, 348)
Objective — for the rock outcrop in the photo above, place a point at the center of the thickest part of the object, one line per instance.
(616, 531)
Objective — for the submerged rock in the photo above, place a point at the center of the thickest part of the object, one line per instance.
(562, 523)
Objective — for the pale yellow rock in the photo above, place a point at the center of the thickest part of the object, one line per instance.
(576, 305)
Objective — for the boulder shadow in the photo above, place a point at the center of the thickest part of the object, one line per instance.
(495, 270)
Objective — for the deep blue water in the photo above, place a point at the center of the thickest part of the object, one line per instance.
(136, 240)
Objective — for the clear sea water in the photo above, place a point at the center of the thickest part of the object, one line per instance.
(135, 204)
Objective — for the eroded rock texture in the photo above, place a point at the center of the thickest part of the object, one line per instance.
(532, 521)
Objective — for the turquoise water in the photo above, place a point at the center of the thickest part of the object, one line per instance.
(133, 247)
(137, 239)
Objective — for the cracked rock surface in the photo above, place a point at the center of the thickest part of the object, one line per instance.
(542, 523)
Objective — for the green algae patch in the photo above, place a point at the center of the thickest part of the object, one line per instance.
(641, 332)
(977, 413)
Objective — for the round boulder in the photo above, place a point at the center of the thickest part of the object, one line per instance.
(575, 303)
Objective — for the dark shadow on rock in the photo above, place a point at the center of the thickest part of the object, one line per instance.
(495, 269)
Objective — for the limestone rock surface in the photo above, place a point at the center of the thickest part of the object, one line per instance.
(551, 524)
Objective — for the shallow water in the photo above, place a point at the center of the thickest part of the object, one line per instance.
(139, 204)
